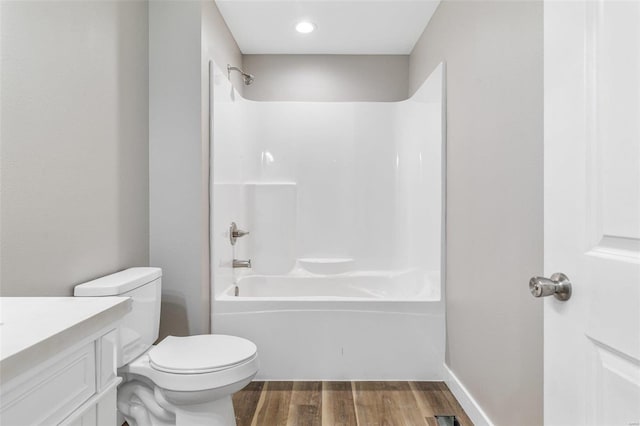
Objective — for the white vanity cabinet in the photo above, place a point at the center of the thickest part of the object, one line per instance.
(57, 362)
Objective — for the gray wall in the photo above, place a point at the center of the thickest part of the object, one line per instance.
(327, 77)
(493, 52)
(74, 161)
(183, 35)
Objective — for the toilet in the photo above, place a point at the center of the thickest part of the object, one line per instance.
(181, 380)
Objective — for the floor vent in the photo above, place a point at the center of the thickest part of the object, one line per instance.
(447, 421)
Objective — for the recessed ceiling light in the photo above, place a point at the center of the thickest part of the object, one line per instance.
(305, 27)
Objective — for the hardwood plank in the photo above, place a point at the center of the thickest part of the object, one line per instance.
(435, 398)
(345, 404)
(431, 398)
(432, 421)
(273, 408)
(245, 403)
(386, 403)
(337, 404)
(431, 401)
(305, 406)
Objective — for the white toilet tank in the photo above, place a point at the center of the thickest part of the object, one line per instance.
(139, 328)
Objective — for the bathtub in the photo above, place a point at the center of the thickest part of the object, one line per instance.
(365, 325)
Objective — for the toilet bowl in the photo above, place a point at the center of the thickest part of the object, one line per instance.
(184, 381)
(192, 379)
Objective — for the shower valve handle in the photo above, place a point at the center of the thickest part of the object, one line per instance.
(240, 233)
(235, 233)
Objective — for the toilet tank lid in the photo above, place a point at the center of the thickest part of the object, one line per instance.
(118, 283)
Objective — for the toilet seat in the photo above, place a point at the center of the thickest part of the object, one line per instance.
(200, 354)
(227, 368)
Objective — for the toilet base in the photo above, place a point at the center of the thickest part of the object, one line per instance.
(145, 405)
(215, 413)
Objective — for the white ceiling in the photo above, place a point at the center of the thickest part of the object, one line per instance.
(358, 27)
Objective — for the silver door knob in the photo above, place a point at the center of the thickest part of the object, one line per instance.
(558, 285)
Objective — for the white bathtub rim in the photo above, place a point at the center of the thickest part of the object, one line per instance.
(299, 272)
(427, 309)
(228, 296)
(429, 291)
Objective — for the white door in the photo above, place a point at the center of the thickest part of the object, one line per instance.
(592, 211)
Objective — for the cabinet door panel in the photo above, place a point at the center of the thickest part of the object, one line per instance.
(49, 396)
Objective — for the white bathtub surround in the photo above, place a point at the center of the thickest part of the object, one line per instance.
(344, 204)
(57, 359)
(271, 216)
(367, 179)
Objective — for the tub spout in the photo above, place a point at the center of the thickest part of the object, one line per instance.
(241, 263)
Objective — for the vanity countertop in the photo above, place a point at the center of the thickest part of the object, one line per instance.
(32, 329)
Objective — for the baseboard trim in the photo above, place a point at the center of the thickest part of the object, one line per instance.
(470, 406)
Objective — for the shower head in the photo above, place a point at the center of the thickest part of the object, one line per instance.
(246, 78)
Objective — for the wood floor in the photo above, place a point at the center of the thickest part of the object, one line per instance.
(345, 404)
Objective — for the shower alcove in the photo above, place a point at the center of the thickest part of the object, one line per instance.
(344, 204)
